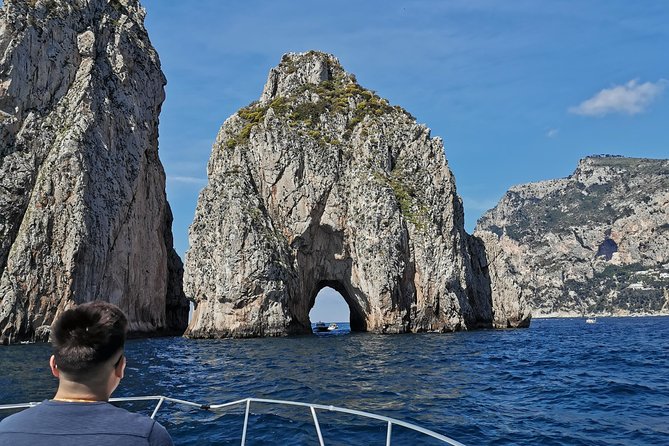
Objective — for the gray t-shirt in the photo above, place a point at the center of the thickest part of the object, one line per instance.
(56, 423)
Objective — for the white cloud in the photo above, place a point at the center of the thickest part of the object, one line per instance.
(187, 180)
(552, 133)
(630, 98)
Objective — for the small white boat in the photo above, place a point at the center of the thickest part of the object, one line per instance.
(333, 327)
(591, 320)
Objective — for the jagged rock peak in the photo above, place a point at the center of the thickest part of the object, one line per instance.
(599, 169)
(43, 9)
(82, 204)
(298, 70)
(323, 183)
(596, 242)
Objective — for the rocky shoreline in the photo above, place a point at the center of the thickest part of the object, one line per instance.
(575, 316)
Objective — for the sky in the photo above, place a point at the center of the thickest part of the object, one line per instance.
(518, 90)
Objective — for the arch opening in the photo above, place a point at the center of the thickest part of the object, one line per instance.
(331, 303)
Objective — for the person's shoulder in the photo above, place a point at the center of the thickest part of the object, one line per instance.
(19, 418)
(159, 436)
(127, 416)
(91, 419)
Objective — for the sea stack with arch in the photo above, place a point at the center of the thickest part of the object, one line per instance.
(324, 183)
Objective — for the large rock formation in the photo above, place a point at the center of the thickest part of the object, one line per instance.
(595, 243)
(83, 213)
(323, 183)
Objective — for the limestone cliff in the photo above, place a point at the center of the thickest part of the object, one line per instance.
(83, 212)
(595, 243)
(324, 183)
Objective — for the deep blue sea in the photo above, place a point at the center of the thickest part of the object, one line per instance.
(560, 382)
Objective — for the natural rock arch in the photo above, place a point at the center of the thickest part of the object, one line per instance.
(324, 182)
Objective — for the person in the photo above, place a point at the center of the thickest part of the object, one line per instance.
(89, 361)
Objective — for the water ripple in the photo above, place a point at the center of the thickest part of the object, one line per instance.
(561, 382)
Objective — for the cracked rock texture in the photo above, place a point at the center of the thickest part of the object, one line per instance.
(83, 213)
(323, 183)
(595, 243)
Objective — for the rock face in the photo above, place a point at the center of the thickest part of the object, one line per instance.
(323, 183)
(595, 243)
(83, 213)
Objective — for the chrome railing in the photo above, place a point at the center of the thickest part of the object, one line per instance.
(247, 402)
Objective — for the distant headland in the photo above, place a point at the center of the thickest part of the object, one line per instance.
(595, 243)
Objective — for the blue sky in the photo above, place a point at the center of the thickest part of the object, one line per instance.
(518, 90)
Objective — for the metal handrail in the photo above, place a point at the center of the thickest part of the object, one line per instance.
(247, 402)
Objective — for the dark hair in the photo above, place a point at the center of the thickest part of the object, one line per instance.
(88, 335)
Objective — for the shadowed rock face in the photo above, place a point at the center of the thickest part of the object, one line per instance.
(83, 213)
(323, 183)
(594, 243)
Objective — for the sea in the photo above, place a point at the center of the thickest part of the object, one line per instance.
(559, 382)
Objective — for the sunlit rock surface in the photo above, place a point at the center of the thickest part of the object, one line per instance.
(324, 183)
(83, 213)
(595, 243)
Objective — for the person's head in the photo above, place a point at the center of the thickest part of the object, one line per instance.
(88, 345)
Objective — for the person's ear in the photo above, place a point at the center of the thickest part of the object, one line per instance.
(54, 367)
(119, 370)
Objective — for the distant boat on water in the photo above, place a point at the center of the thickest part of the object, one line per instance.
(320, 327)
(591, 320)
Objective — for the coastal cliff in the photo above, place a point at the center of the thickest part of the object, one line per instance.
(83, 212)
(324, 183)
(595, 243)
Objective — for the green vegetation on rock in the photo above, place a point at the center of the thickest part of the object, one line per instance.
(413, 211)
(340, 95)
